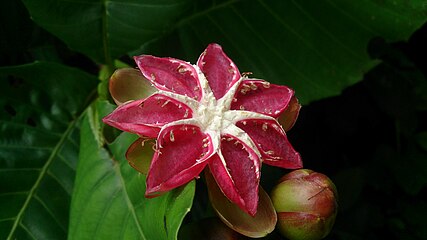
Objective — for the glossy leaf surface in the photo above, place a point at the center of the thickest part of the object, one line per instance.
(318, 53)
(316, 47)
(39, 144)
(106, 29)
(108, 201)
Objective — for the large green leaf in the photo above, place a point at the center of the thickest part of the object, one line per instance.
(105, 29)
(316, 47)
(108, 201)
(39, 141)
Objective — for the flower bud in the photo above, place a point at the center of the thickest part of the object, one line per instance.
(306, 205)
(128, 84)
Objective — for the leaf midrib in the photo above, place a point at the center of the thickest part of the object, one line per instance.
(129, 202)
(105, 41)
(42, 174)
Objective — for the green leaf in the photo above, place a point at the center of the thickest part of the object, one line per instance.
(39, 141)
(104, 29)
(108, 201)
(316, 47)
(318, 53)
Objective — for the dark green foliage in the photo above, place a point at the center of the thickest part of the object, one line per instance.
(358, 66)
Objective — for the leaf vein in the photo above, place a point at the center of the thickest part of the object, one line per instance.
(294, 32)
(42, 174)
(129, 202)
(303, 76)
(331, 36)
(49, 211)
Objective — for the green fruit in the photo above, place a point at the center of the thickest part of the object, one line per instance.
(306, 205)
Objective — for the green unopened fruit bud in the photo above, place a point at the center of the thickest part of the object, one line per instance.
(306, 205)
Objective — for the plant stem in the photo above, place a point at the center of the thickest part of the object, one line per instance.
(105, 42)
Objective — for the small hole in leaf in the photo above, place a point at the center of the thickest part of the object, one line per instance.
(31, 122)
(10, 110)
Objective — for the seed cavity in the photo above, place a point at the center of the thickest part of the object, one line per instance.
(269, 111)
(153, 78)
(196, 88)
(205, 140)
(234, 99)
(182, 69)
(165, 103)
(205, 145)
(243, 91)
(231, 70)
(186, 113)
(253, 86)
(266, 84)
(242, 107)
(172, 137)
(244, 123)
(245, 88)
(269, 152)
(264, 127)
(141, 105)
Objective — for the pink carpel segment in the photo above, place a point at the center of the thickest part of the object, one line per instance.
(272, 143)
(262, 97)
(145, 117)
(181, 154)
(218, 69)
(239, 178)
(171, 75)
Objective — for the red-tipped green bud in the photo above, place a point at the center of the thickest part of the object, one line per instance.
(306, 205)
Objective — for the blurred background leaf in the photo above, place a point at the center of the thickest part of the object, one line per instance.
(104, 30)
(316, 47)
(39, 143)
(316, 52)
(108, 200)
